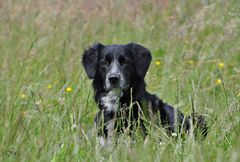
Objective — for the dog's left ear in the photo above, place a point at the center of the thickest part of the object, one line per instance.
(142, 58)
(90, 59)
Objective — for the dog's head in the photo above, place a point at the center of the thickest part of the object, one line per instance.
(116, 65)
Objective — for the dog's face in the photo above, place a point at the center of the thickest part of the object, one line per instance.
(116, 65)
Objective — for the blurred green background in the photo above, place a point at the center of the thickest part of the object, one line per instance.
(46, 105)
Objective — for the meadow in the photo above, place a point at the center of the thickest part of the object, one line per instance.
(46, 104)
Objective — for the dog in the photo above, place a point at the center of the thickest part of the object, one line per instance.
(118, 73)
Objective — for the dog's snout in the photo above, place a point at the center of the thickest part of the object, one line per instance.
(114, 78)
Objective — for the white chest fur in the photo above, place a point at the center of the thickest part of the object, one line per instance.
(111, 100)
(110, 103)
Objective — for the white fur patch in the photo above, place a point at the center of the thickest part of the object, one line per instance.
(110, 127)
(111, 104)
(107, 142)
(102, 141)
(115, 70)
(111, 100)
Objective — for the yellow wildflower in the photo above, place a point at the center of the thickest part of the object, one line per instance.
(220, 65)
(23, 96)
(24, 113)
(49, 86)
(191, 62)
(69, 89)
(158, 62)
(218, 81)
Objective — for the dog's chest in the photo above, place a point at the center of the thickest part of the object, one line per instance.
(110, 102)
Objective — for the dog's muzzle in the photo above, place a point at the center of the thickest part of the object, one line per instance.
(114, 79)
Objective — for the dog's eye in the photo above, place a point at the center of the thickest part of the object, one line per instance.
(122, 60)
(104, 63)
(126, 61)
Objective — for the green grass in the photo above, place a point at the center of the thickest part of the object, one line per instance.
(41, 44)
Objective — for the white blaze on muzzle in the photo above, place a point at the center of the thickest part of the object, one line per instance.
(114, 71)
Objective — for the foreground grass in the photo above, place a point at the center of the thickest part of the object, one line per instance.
(46, 100)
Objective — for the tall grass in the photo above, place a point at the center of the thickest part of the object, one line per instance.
(41, 43)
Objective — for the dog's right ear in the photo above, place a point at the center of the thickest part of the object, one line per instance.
(90, 59)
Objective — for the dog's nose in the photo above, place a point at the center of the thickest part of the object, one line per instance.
(114, 79)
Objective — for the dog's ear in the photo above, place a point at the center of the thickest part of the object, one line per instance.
(90, 59)
(142, 58)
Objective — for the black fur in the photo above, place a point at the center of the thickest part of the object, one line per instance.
(132, 61)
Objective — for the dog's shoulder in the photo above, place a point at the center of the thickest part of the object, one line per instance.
(167, 112)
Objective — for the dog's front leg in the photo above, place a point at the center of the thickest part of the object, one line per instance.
(109, 126)
(109, 104)
(105, 122)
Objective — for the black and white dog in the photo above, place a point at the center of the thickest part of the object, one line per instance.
(118, 73)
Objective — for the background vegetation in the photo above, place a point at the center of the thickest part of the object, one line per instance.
(46, 105)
